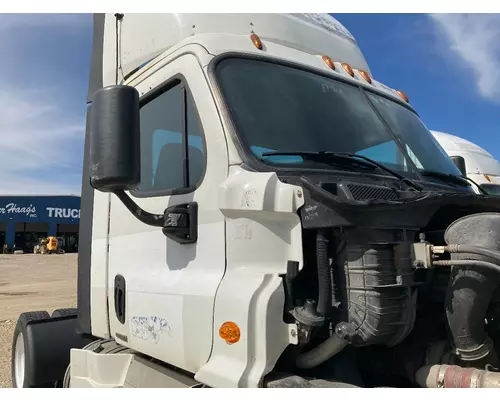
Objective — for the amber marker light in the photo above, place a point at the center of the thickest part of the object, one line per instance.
(328, 61)
(256, 41)
(348, 69)
(403, 95)
(366, 76)
(230, 332)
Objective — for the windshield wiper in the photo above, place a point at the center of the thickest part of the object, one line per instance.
(328, 155)
(460, 180)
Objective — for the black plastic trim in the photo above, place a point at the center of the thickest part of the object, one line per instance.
(87, 195)
(95, 78)
(85, 239)
(181, 223)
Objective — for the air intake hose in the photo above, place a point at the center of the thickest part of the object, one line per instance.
(471, 287)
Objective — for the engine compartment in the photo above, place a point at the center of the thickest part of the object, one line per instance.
(371, 313)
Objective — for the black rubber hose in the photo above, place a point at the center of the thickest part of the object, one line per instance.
(324, 277)
(472, 284)
(324, 351)
(473, 281)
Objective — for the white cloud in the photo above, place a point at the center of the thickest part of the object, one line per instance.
(474, 38)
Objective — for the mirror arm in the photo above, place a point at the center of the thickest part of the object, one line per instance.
(142, 215)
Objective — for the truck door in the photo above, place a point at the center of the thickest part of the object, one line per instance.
(161, 292)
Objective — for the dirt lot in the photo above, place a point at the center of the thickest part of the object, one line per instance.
(31, 283)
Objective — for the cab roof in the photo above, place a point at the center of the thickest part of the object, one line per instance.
(457, 144)
(142, 37)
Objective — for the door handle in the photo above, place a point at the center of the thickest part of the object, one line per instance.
(119, 298)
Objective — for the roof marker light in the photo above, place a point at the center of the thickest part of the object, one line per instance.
(328, 61)
(366, 76)
(256, 41)
(403, 95)
(348, 69)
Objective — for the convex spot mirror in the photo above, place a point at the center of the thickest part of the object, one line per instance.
(115, 158)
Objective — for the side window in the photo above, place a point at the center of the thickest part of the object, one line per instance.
(172, 148)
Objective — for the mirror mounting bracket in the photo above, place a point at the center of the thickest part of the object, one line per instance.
(178, 223)
(142, 215)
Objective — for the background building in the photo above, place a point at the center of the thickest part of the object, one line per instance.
(23, 219)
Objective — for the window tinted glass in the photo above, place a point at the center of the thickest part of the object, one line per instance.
(409, 129)
(492, 190)
(276, 107)
(163, 137)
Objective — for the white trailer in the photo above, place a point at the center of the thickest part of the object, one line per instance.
(473, 161)
(259, 211)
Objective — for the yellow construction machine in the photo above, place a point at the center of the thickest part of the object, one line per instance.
(48, 245)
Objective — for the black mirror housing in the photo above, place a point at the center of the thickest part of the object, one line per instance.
(459, 162)
(115, 162)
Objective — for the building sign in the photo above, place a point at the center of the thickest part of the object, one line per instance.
(58, 209)
(20, 210)
(55, 212)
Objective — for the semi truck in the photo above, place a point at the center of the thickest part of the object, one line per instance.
(258, 211)
(473, 161)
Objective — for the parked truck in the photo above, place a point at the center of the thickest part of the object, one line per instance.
(259, 211)
(473, 161)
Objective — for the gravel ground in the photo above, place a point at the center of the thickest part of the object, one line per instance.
(32, 283)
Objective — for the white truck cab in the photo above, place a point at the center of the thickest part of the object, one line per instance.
(257, 211)
(474, 161)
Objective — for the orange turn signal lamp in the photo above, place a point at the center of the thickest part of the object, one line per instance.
(230, 332)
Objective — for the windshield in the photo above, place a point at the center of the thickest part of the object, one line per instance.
(280, 108)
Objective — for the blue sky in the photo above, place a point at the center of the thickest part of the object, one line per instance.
(449, 65)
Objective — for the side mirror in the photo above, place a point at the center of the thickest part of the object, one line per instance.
(115, 162)
(459, 162)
